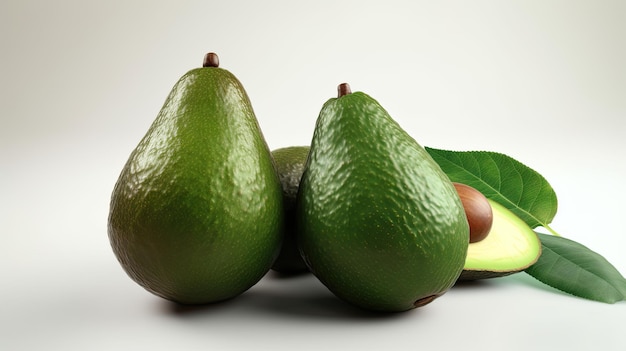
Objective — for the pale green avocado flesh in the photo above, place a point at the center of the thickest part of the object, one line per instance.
(510, 247)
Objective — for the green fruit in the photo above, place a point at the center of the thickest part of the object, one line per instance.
(379, 223)
(510, 247)
(290, 165)
(196, 214)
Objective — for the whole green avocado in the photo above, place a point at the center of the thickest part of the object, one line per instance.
(379, 223)
(196, 213)
(290, 165)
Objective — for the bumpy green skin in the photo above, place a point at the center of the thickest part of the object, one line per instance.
(290, 163)
(379, 223)
(196, 214)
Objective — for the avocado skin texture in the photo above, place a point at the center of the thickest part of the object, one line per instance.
(379, 223)
(290, 163)
(196, 214)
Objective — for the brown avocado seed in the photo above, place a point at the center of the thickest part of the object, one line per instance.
(477, 210)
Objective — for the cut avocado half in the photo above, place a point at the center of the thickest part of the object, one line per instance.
(510, 247)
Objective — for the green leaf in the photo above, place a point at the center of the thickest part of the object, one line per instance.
(573, 268)
(504, 180)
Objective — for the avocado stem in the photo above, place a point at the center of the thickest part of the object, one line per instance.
(211, 60)
(425, 300)
(343, 89)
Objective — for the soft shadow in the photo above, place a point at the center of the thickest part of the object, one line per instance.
(287, 275)
(526, 279)
(182, 310)
(300, 297)
(472, 284)
(520, 279)
(313, 306)
(303, 295)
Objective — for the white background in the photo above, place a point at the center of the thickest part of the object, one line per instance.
(81, 81)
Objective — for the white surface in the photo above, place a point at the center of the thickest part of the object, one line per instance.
(542, 81)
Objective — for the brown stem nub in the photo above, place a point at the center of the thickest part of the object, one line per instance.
(211, 60)
(343, 89)
(426, 300)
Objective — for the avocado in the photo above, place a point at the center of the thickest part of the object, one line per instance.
(196, 214)
(290, 166)
(510, 247)
(378, 221)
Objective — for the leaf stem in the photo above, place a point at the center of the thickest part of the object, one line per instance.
(552, 231)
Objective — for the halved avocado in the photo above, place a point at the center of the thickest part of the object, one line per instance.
(510, 247)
